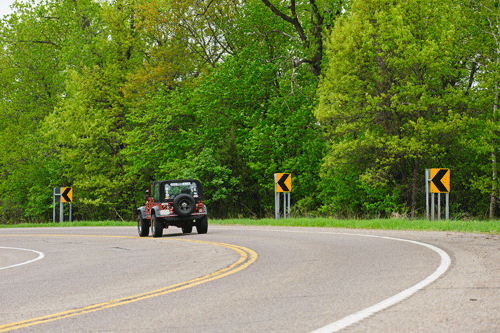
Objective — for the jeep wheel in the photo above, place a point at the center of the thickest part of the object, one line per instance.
(187, 228)
(156, 226)
(202, 225)
(184, 204)
(142, 226)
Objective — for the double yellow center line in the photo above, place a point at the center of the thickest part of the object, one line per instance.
(247, 257)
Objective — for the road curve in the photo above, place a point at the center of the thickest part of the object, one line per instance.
(287, 280)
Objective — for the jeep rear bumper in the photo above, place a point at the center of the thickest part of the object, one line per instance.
(169, 215)
(182, 218)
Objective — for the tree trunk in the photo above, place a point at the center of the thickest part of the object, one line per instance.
(414, 187)
(494, 186)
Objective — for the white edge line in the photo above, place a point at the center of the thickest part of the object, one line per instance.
(40, 256)
(365, 313)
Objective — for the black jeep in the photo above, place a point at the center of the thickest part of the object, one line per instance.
(173, 203)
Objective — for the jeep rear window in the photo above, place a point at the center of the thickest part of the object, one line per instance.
(174, 189)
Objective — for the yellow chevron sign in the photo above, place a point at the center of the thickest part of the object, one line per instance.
(283, 182)
(440, 180)
(66, 194)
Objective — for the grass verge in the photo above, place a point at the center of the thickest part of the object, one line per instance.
(490, 227)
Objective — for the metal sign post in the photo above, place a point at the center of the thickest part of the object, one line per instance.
(437, 181)
(427, 180)
(447, 211)
(276, 201)
(439, 206)
(282, 183)
(289, 212)
(57, 197)
(56, 192)
(62, 195)
(432, 207)
(286, 205)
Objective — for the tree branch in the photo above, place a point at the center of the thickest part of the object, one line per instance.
(37, 42)
(292, 20)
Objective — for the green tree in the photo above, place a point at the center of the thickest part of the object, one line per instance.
(219, 183)
(485, 19)
(395, 95)
(250, 118)
(252, 111)
(30, 85)
(89, 126)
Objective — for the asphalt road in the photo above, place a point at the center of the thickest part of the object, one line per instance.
(248, 279)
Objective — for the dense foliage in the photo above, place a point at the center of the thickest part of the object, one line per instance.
(354, 98)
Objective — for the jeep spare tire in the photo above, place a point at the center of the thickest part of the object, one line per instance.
(183, 204)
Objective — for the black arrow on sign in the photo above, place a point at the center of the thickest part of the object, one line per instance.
(281, 182)
(65, 194)
(437, 180)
